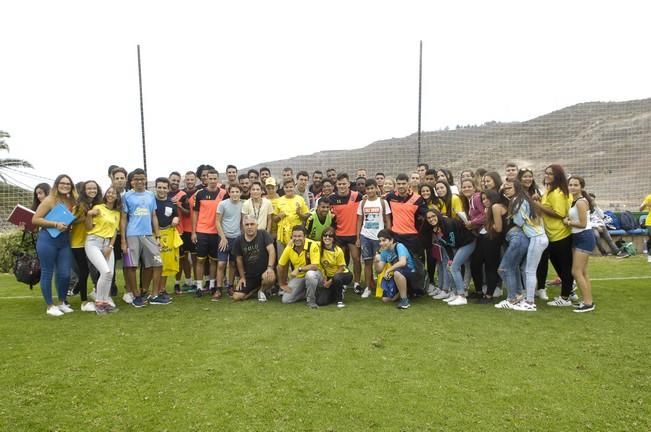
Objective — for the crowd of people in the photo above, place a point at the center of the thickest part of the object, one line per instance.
(308, 238)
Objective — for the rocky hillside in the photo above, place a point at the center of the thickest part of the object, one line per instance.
(605, 142)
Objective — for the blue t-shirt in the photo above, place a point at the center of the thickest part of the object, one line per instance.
(392, 256)
(139, 206)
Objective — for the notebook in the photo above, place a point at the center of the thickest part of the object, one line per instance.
(59, 214)
(22, 215)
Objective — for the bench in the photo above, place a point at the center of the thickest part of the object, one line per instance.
(637, 236)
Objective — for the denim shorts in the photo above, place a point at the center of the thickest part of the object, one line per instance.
(369, 247)
(584, 241)
(228, 253)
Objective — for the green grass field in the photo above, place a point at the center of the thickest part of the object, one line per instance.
(202, 366)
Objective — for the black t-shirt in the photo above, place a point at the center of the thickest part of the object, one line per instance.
(254, 253)
(165, 212)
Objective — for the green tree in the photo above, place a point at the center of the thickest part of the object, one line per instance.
(9, 162)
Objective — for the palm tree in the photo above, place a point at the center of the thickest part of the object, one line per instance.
(10, 162)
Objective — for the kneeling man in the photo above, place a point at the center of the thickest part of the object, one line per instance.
(255, 256)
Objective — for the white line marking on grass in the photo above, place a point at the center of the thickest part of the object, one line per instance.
(620, 278)
(19, 297)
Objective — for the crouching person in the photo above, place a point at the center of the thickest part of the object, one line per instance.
(400, 272)
(303, 255)
(334, 270)
(255, 256)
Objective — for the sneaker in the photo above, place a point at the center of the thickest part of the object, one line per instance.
(127, 298)
(436, 292)
(188, 288)
(523, 306)
(574, 296)
(313, 305)
(111, 302)
(357, 288)
(560, 301)
(441, 295)
(366, 293)
(261, 297)
(497, 293)
(459, 301)
(585, 308)
(505, 304)
(111, 309)
(88, 307)
(177, 291)
(431, 289)
(217, 296)
(138, 302)
(648, 259)
(450, 297)
(404, 303)
(159, 300)
(542, 294)
(475, 295)
(101, 309)
(341, 305)
(53, 311)
(93, 294)
(65, 308)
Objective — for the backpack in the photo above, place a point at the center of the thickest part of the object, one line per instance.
(27, 269)
(611, 220)
(422, 277)
(627, 221)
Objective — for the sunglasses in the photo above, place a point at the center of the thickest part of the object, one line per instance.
(328, 235)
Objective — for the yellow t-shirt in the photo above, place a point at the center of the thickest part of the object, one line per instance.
(78, 230)
(106, 223)
(457, 206)
(331, 260)
(557, 201)
(647, 201)
(298, 260)
(288, 206)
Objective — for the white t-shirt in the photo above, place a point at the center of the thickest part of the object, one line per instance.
(260, 213)
(373, 220)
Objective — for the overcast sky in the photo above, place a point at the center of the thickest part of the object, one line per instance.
(247, 82)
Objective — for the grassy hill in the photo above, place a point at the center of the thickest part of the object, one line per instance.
(605, 142)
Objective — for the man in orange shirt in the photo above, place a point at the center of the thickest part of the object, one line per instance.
(407, 207)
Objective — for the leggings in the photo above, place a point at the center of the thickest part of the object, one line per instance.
(82, 272)
(54, 253)
(94, 247)
(486, 257)
(560, 254)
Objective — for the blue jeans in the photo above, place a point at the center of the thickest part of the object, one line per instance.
(461, 257)
(54, 253)
(509, 269)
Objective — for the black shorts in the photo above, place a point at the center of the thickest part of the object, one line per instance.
(207, 245)
(252, 284)
(344, 241)
(188, 245)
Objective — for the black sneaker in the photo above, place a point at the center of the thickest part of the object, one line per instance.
(585, 308)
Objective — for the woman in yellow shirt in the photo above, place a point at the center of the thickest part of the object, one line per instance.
(335, 272)
(102, 223)
(449, 204)
(646, 205)
(555, 206)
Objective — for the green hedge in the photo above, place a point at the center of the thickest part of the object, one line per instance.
(9, 243)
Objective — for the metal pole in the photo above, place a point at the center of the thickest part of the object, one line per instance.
(420, 93)
(142, 115)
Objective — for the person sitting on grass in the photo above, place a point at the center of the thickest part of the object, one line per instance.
(255, 256)
(401, 270)
(304, 257)
(335, 272)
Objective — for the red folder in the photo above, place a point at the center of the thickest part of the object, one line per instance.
(22, 215)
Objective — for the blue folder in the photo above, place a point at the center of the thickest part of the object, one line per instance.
(59, 214)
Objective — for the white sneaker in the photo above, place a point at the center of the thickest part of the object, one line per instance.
(505, 304)
(574, 297)
(341, 305)
(484, 289)
(127, 298)
(542, 294)
(88, 307)
(366, 293)
(261, 297)
(110, 302)
(65, 308)
(523, 306)
(441, 295)
(431, 289)
(93, 294)
(497, 293)
(53, 311)
(436, 292)
(451, 297)
(458, 301)
(560, 301)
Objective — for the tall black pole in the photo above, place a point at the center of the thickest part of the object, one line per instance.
(142, 116)
(420, 93)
